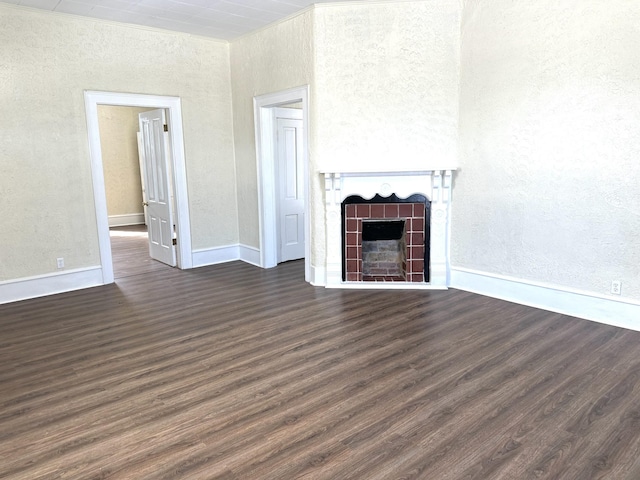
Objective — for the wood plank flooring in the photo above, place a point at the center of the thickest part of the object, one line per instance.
(130, 251)
(233, 372)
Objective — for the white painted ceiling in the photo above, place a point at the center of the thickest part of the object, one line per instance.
(223, 19)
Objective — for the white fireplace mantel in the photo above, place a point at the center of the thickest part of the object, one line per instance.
(435, 184)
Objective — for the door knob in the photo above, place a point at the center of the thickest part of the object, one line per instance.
(145, 204)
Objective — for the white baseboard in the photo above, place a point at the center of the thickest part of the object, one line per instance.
(619, 312)
(229, 253)
(212, 256)
(318, 276)
(42, 285)
(250, 255)
(123, 220)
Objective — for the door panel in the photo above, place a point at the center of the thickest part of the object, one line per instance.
(157, 181)
(292, 234)
(290, 185)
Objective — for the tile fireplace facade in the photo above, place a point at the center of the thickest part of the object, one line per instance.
(411, 260)
(428, 269)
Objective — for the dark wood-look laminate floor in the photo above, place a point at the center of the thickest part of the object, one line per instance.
(130, 252)
(233, 372)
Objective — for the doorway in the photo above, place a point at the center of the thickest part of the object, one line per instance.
(130, 252)
(122, 149)
(178, 168)
(266, 147)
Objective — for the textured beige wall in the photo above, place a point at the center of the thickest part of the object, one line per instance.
(119, 144)
(547, 93)
(386, 84)
(384, 91)
(550, 108)
(48, 60)
(268, 61)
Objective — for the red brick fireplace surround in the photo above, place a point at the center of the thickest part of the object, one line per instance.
(413, 215)
(373, 197)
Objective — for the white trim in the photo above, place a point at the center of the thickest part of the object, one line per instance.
(618, 312)
(50, 284)
(250, 255)
(265, 157)
(228, 253)
(213, 256)
(318, 276)
(128, 219)
(183, 227)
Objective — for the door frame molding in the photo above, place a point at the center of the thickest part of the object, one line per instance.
(178, 169)
(264, 119)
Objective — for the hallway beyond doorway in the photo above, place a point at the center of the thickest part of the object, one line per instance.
(130, 252)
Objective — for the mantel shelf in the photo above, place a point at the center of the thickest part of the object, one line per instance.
(421, 171)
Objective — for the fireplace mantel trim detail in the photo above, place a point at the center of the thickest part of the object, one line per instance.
(435, 184)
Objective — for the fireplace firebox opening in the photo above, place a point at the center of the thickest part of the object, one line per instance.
(384, 250)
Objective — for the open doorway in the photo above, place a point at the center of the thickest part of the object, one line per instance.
(269, 174)
(130, 252)
(172, 106)
(120, 142)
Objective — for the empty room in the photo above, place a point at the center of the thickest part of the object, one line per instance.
(361, 239)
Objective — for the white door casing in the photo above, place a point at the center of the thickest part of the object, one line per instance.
(157, 180)
(290, 184)
(183, 225)
(264, 119)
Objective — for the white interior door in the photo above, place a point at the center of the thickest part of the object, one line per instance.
(157, 180)
(290, 181)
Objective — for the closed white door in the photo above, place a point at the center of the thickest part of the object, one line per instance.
(290, 178)
(157, 181)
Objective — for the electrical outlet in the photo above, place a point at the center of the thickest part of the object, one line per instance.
(616, 287)
(60, 262)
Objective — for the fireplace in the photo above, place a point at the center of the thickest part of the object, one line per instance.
(359, 202)
(385, 239)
